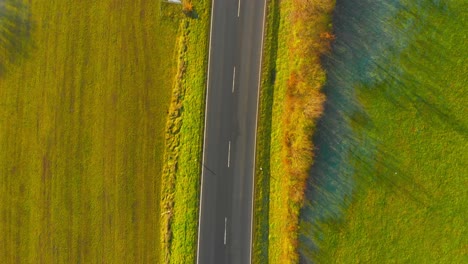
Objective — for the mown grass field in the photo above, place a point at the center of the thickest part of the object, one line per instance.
(409, 199)
(82, 120)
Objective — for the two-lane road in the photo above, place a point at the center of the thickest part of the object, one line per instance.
(226, 200)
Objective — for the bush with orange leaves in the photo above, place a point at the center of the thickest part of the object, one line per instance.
(309, 40)
(187, 7)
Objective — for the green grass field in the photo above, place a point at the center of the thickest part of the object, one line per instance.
(410, 159)
(82, 120)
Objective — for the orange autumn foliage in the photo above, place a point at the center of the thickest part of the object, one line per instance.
(309, 40)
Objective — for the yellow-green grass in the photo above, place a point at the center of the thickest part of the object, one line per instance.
(290, 103)
(15, 32)
(184, 139)
(409, 204)
(262, 170)
(82, 121)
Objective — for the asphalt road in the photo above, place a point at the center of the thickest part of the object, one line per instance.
(225, 224)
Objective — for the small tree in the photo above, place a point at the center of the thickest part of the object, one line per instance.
(187, 7)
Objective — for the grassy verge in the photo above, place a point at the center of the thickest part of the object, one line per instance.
(82, 121)
(262, 172)
(290, 103)
(184, 139)
(409, 203)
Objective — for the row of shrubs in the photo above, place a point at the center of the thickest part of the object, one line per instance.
(309, 39)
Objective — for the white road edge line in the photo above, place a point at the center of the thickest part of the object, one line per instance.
(229, 154)
(233, 79)
(256, 128)
(225, 225)
(204, 133)
(238, 8)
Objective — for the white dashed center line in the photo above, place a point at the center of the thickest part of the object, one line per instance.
(233, 79)
(225, 227)
(229, 154)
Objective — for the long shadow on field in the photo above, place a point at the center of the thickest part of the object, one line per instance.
(15, 33)
(369, 55)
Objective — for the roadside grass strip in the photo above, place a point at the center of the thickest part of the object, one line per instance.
(184, 140)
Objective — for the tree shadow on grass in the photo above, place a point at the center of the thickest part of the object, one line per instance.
(373, 52)
(15, 33)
